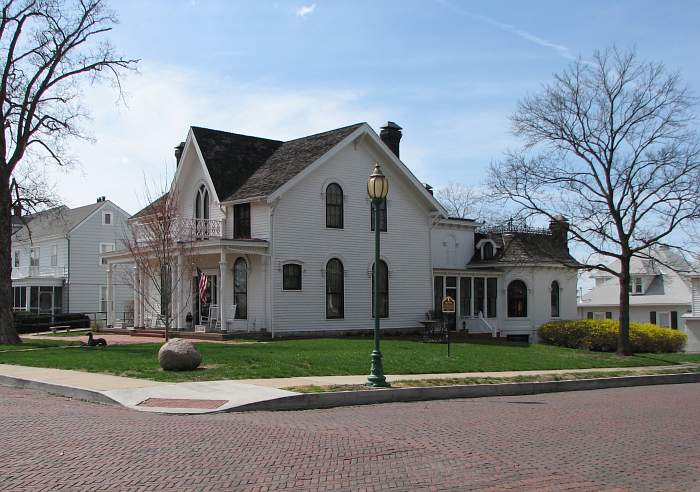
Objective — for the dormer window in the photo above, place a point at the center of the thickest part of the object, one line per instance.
(637, 287)
(241, 221)
(487, 251)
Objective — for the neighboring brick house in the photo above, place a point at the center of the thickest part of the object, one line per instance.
(659, 291)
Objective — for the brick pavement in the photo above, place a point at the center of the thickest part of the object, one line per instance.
(643, 438)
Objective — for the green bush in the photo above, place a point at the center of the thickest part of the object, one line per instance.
(601, 335)
(28, 322)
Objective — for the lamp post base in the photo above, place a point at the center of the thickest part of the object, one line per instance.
(376, 377)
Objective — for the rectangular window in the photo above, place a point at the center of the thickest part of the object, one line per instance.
(241, 221)
(16, 258)
(479, 295)
(637, 285)
(103, 299)
(34, 299)
(608, 315)
(652, 317)
(438, 287)
(382, 216)
(34, 254)
(589, 315)
(20, 298)
(291, 276)
(465, 296)
(105, 248)
(54, 255)
(664, 319)
(106, 218)
(674, 320)
(598, 315)
(491, 297)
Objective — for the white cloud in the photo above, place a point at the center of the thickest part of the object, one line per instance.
(306, 10)
(137, 141)
(561, 50)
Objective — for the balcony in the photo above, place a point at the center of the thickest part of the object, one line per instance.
(182, 229)
(39, 271)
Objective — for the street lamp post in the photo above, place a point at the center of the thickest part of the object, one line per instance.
(377, 189)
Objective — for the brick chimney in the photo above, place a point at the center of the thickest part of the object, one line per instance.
(391, 136)
(178, 152)
(559, 227)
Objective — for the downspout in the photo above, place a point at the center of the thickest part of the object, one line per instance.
(68, 276)
(273, 205)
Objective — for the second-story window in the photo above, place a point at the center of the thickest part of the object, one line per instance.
(54, 255)
(34, 254)
(105, 248)
(16, 264)
(487, 251)
(637, 281)
(382, 216)
(201, 203)
(241, 221)
(334, 206)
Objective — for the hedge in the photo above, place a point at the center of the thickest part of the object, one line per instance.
(601, 335)
(27, 322)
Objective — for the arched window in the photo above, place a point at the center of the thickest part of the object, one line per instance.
(334, 206)
(383, 290)
(554, 296)
(201, 203)
(335, 289)
(517, 299)
(487, 250)
(240, 288)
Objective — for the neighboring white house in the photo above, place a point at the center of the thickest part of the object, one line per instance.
(659, 291)
(691, 326)
(56, 264)
(290, 242)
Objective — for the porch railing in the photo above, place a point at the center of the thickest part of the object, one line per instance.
(182, 229)
(39, 271)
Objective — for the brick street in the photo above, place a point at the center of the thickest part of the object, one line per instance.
(644, 438)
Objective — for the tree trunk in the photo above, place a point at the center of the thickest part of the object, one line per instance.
(8, 334)
(623, 341)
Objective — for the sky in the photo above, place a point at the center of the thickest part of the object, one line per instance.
(449, 72)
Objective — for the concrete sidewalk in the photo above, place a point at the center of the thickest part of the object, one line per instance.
(217, 396)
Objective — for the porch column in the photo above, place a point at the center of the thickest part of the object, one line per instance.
(110, 297)
(174, 297)
(137, 296)
(182, 283)
(223, 290)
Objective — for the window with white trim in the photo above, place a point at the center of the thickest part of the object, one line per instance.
(105, 248)
(34, 255)
(54, 255)
(16, 258)
(637, 285)
(106, 218)
(291, 276)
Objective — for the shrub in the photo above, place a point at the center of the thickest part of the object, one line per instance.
(601, 335)
(28, 322)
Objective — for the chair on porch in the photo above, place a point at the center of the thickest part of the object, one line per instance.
(230, 322)
(212, 321)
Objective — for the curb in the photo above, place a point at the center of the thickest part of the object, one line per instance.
(82, 394)
(309, 401)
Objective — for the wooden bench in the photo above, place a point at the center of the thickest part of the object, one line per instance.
(60, 327)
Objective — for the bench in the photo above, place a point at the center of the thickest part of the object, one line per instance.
(60, 327)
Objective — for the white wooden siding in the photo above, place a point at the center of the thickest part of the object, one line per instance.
(300, 233)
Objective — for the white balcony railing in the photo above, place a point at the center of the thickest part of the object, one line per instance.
(39, 271)
(183, 230)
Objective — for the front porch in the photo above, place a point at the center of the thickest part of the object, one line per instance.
(218, 289)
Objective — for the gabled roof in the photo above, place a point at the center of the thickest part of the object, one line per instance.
(146, 210)
(243, 167)
(54, 221)
(667, 287)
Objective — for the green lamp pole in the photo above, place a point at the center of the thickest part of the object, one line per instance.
(377, 189)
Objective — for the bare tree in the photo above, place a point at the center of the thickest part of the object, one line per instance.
(610, 144)
(471, 202)
(161, 246)
(49, 47)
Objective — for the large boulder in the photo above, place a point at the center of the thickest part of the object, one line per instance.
(179, 355)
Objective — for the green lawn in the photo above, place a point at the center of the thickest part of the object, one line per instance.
(28, 343)
(325, 357)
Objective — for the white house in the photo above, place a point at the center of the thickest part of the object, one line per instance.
(284, 233)
(691, 325)
(660, 291)
(56, 264)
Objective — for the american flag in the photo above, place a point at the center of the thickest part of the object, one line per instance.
(203, 284)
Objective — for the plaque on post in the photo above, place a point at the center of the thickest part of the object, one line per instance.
(448, 305)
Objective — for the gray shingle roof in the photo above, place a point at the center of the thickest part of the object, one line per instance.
(54, 221)
(523, 248)
(244, 167)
